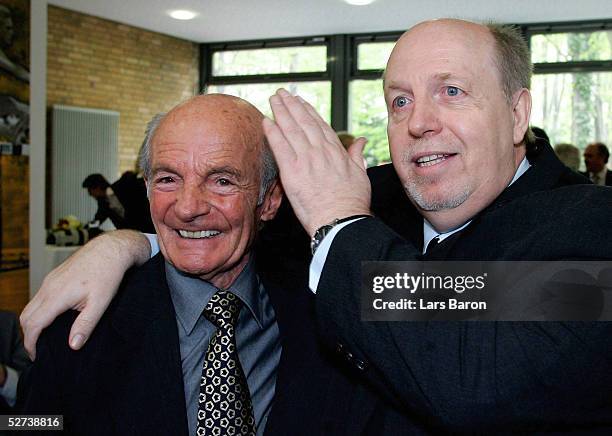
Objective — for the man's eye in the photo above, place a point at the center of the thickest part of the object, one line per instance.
(223, 182)
(400, 101)
(166, 179)
(453, 91)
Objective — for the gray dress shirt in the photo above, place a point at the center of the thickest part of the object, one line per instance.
(257, 338)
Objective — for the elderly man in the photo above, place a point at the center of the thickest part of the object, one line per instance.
(459, 105)
(596, 157)
(193, 344)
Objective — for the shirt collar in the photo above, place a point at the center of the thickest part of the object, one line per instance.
(430, 233)
(602, 175)
(190, 295)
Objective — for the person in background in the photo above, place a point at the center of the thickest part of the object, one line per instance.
(596, 157)
(124, 202)
(569, 154)
(346, 139)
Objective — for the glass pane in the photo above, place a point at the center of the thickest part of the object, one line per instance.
(316, 93)
(373, 55)
(573, 107)
(368, 117)
(270, 61)
(564, 47)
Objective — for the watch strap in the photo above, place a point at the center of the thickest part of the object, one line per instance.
(323, 231)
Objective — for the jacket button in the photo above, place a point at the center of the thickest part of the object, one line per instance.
(360, 365)
(339, 348)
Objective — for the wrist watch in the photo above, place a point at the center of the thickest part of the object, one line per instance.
(323, 231)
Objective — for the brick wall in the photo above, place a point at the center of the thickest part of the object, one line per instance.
(96, 63)
(14, 194)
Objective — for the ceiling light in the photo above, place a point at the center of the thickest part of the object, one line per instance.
(181, 14)
(359, 2)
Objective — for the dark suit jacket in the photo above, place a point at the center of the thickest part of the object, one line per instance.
(608, 177)
(12, 352)
(127, 380)
(476, 377)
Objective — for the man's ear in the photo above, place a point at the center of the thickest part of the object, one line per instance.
(521, 110)
(272, 201)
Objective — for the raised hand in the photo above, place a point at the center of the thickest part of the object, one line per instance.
(321, 180)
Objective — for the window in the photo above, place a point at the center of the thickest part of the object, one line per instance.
(255, 70)
(341, 75)
(316, 93)
(368, 117)
(373, 55)
(269, 61)
(367, 112)
(572, 82)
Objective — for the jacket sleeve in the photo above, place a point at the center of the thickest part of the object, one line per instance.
(43, 385)
(462, 375)
(19, 357)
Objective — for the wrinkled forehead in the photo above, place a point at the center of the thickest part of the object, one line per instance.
(239, 129)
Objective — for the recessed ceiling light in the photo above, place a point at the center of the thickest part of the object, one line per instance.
(359, 2)
(181, 14)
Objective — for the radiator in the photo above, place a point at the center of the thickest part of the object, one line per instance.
(84, 141)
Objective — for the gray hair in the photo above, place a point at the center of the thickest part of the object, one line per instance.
(514, 64)
(569, 154)
(268, 167)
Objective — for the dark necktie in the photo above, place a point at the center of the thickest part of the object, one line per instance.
(224, 405)
(432, 245)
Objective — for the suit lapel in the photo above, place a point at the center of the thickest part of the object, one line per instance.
(150, 393)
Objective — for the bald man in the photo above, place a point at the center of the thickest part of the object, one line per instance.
(458, 100)
(161, 360)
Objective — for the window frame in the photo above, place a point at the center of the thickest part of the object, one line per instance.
(342, 61)
(530, 30)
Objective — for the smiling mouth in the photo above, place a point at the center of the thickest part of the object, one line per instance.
(432, 159)
(202, 234)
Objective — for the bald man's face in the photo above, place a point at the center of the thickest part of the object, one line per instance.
(451, 128)
(203, 190)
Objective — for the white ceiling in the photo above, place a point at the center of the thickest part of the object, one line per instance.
(227, 20)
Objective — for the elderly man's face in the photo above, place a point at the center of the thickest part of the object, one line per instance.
(204, 187)
(593, 160)
(452, 132)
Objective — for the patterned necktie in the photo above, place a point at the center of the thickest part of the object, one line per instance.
(224, 405)
(595, 179)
